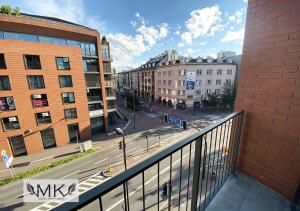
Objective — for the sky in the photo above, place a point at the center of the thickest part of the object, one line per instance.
(140, 29)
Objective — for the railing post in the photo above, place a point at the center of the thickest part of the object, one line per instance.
(237, 139)
(196, 172)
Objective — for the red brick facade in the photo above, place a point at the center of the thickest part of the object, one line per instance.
(14, 51)
(269, 92)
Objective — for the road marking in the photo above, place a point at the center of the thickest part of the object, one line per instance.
(146, 183)
(101, 161)
(42, 159)
(70, 174)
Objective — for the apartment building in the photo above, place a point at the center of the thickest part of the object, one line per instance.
(53, 87)
(178, 79)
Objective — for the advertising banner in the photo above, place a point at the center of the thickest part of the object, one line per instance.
(190, 80)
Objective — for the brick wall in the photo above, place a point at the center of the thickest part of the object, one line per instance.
(269, 92)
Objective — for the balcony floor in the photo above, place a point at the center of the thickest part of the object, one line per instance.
(243, 193)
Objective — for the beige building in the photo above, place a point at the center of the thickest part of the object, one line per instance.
(180, 80)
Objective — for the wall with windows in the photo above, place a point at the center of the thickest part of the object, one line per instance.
(171, 81)
(35, 90)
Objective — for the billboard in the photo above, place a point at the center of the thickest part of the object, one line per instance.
(7, 103)
(190, 80)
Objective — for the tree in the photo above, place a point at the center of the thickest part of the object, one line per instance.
(6, 9)
(212, 99)
(129, 100)
(228, 95)
(17, 11)
(103, 40)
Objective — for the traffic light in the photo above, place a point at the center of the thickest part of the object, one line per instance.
(166, 118)
(120, 145)
(184, 124)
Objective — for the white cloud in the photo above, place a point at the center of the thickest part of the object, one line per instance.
(187, 37)
(70, 10)
(151, 34)
(234, 36)
(202, 43)
(180, 45)
(177, 32)
(245, 1)
(163, 30)
(140, 18)
(133, 23)
(205, 21)
(238, 16)
(190, 50)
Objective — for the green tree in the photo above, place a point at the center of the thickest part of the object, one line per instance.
(228, 95)
(211, 99)
(6, 9)
(17, 11)
(103, 40)
(130, 100)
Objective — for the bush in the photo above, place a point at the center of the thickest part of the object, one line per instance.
(17, 11)
(211, 100)
(6, 9)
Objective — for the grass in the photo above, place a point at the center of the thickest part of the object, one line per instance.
(40, 169)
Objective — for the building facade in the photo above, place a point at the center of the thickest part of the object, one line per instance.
(52, 84)
(178, 80)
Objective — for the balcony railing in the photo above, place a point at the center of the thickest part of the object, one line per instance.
(196, 168)
(109, 83)
(94, 98)
(92, 83)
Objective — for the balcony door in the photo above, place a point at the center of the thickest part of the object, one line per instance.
(48, 138)
(17, 145)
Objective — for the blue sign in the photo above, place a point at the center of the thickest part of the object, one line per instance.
(174, 121)
(190, 84)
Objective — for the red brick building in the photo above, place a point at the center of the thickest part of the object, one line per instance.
(52, 83)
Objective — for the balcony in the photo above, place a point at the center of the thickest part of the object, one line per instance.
(96, 113)
(93, 84)
(110, 83)
(110, 95)
(92, 99)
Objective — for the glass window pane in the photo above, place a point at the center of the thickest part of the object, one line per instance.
(45, 39)
(1, 35)
(73, 43)
(29, 37)
(11, 35)
(58, 41)
(4, 83)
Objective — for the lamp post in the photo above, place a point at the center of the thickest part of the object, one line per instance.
(133, 99)
(119, 131)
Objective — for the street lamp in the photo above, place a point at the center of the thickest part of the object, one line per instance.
(119, 131)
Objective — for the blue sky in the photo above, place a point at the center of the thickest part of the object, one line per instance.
(140, 29)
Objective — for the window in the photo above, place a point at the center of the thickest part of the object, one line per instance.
(209, 72)
(228, 81)
(58, 41)
(159, 82)
(106, 65)
(10, 123)
(36, 82)
(39, 100)
(219, 60)
(169, 82)
(65, 81)
(159, 90)
(73, 130)
(48, 138)
(229, 72)
(68, 97)
(43, 118)
(164, 91)
(4, 83)
(91, 65)
(219, 71)
(159, 74)
(2, 61)
(208, 82)
(164, 73)
(181, 92)
(89, 49)
(29, 37)
(207, 91)
(70, 113)
(32, 62)
(218, 82)
(218, 91)
(198, 82)
(198, 92)
(181, 82)
(164, 82)
(181, 72)
(199, 72)
(11, 35)
(169, 91)
(62, 63)
(17, 145)
(7, 104)
(169, 73)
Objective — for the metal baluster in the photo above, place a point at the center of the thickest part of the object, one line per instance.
(188, 184)
(143, 180)
(125, 197)
(212, 169)
(170, 184)
(158, 186)
(224, 157)
(228, 147)
(238, 138)
(218, 162)
(196, 173)
(208, 168)
(232, 138)
(203, 168)
(100, 203)
(180, 178)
